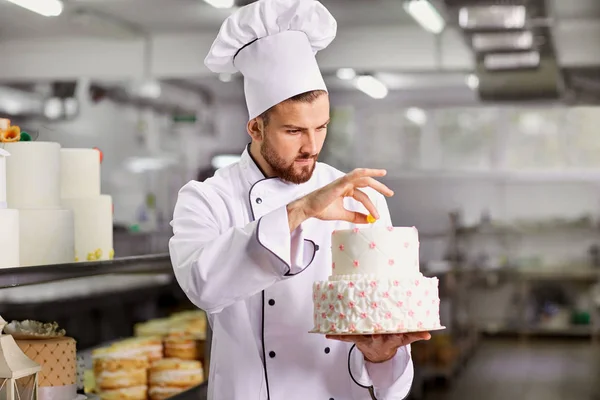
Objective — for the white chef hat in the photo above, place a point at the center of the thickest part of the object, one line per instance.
(273, 43)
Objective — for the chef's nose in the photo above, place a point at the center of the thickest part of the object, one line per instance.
(310, 144)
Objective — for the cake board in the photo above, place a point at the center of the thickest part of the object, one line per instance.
(439, 328)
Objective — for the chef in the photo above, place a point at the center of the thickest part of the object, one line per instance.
(249, 242)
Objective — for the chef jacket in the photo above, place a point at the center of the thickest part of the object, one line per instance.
(234, 257)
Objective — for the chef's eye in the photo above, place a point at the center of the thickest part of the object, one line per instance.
(293, 131)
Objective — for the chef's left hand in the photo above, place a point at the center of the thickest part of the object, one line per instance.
(381, 348)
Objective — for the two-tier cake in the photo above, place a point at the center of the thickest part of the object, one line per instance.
(376, 285)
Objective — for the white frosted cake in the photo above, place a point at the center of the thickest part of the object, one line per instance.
(33, 187)
(80, 192)
(9, 222)
(376, 286)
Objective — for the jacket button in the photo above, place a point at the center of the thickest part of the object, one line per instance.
(271, 302)
(327, 350)
(258, 200)
(316, 247)
(272, 354)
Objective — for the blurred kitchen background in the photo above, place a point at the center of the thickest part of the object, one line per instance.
(484, 113)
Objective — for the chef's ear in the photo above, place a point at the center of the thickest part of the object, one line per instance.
(256, 128)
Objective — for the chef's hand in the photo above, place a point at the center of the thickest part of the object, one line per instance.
(327, 203)
(381, 348)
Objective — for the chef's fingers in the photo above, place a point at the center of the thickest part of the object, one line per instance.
(362, 197)
(375, 184)
(364, 172)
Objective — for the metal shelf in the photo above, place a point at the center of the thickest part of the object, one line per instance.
(21, 276)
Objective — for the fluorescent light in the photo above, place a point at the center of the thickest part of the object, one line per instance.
(472, 81)
(371, 86)
(492, 17)
(346, 74)
(47, 8)
(499, 41)
(221, 3)
(426, 15)
(500, 61)
(149, 89)
(416, 115)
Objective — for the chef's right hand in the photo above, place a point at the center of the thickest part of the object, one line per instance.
(327, 203)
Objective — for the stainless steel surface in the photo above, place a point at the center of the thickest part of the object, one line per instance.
(20, 276)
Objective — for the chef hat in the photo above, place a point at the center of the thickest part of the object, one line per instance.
(273, 43)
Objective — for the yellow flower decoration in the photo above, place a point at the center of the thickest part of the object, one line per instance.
(371, 219)
(111, 254)
(12, 134)
(98, 254)
(91, 257)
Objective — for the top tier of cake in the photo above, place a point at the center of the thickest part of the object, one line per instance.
(33, 175)
(3, 155)
(80, 173)
(381, 251)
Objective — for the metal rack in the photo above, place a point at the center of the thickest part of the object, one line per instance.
(147, 264)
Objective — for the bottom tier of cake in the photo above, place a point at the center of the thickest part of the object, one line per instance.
(356, 304)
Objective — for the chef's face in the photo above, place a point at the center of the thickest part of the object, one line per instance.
(293, 137)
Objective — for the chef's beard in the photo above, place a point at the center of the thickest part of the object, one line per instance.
(285, 170)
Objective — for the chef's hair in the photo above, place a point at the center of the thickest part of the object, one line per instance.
(306, 97)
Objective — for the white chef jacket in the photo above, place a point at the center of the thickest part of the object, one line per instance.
(234, 257)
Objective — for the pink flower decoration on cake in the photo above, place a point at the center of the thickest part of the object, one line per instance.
(427, 293)
(399, 303)
(340, 296)
(417, 283)
(409, 293)
(355, 230)
(420, 303)
(332, 327)
(323, 296)
(333, 265)
(428, 313)
(378, 327)
(362, 294)
(318, 306)
(391, 262)
(386, 295)
(323, 315)
(433, 301)
(351, 304)
(401, 326)
(363, 315)
(374, 304)
(341, 247)
(372, 245)
(319, 327)
(411, 313)
(351, 284)
(396, 283)
(352, 328)
(331, 307)
(342, 315)
(318, 286)
(390, 228)
(406, 245)
(420, 325)
(388, 315)
(356, 263)
(315, 297)
(373, 284)
(331, 286)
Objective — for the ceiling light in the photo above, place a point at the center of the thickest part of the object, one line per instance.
(416, 115)
(346, 74)
(224, 77)
(492, 17)
(483, 42)
(371, 86)
(472, 81)
(499, 61)
(47, 8)
(221, 3)
(426, 15)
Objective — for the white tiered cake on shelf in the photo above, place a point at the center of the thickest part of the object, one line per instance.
(33, 187)
(9, 222)
(376, 285)
(80, 193)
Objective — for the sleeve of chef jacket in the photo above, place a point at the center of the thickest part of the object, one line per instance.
(392, 379)
(217, 264)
